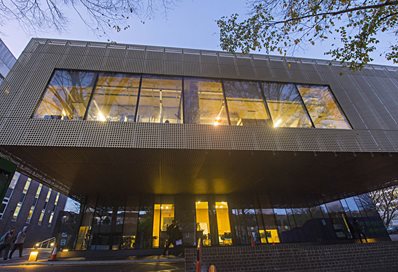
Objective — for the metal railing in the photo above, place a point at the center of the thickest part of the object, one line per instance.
(48, 243)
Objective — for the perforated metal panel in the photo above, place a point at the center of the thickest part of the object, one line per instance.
(368, 98)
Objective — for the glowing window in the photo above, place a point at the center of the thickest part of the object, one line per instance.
(203, 222)
(285, 105)
(41, 217)
(26, 187)
(32, 209)
(48, 195)
(16, 211)
(56, 199)
(204, 102)
(245, 103)
(162, 217)
(160, 100)
(66, 96)
(38, 191)
(50, 220)
(322, 107)
(115, 98)
(223, 224)
(14, 180)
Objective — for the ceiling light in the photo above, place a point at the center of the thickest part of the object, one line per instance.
(277, 123)
(101, 117)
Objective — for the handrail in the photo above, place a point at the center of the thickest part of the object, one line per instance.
(47, 243)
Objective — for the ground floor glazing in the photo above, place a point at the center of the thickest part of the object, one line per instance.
(223, 221)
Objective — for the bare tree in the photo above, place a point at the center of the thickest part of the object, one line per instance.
(285, 25)
(386, 201)
(99, 15)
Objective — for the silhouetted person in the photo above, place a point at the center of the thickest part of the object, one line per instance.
(19, 241)
(5, 242)
(174, 237)
(359, 230)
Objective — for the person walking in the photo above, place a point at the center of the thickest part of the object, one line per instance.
(170, 238)
(5, 242)
(19, 241)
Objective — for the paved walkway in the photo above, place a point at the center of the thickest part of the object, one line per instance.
(43, 260)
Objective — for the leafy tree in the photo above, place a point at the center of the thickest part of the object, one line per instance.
(284, 25)
(386, 201)
(98, 15)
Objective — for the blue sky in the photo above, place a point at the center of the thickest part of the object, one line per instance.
(189, 24)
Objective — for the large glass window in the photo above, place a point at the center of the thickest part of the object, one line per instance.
(223, 224)
(66, 96)
(245, 103)
(203, 222)
(115, 98)
(322, 107)
(163, 217)
(160, 100)
(285, 105)
(204, 102)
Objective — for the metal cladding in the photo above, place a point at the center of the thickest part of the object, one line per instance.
(368, 98)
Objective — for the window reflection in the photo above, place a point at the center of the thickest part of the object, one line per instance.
(322, 107)
(245, 104)
(115, 98)
(160, 100)
(285, 105)
(66, 96)
(204, 102)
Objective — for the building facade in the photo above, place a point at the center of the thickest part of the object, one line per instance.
(30, 203)
(237, 148)
(7, 60)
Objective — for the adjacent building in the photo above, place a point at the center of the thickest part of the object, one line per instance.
(7, 60)
(30, 203)
(237, 148)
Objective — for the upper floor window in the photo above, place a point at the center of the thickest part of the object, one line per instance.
(322, 107)
(66, 96)
(286, 106)
(245, 103)
(160, 100)
(204, 102)
(120, 97)
(115, 98)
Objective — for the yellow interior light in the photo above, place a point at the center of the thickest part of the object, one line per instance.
(33, 256)
(65, 250)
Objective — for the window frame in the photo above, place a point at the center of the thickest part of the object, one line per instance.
(260, 84)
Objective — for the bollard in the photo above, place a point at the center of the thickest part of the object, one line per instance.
(252, 242)
(198, 256)
(53, 256)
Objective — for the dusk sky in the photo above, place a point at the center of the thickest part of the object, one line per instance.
(188, 24)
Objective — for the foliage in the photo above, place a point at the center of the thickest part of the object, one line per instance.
(98, 15)
(386, 201)
(284, 25)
